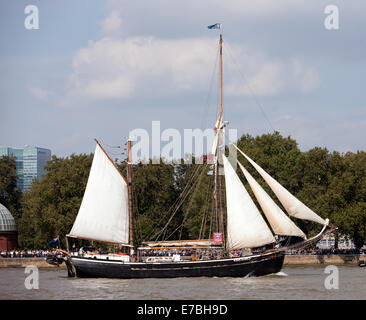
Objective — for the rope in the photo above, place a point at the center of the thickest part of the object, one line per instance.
(182, 200)
(246, 82)
(176, 202)
(191, 200)
(204, 115)
(204, 219)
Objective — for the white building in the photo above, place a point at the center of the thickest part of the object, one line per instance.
(328, 242)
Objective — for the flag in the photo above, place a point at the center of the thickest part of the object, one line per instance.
(217, 238)
(54, 240)
(215, 26)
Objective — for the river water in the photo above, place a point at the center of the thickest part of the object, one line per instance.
(293, 282)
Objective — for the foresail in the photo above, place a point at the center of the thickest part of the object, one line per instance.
(246, 227)
(293, 206)
(103, 214)
(216, 138)
(214, 144)
(281, 224)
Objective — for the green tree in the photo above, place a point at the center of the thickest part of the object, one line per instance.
(51, 205)
(312, 172)
(198, 219)
(347, 196)
(10, 194)
(176, 201)
(154, 192)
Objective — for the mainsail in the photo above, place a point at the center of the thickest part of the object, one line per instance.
(293, 206)
(279, 221)
(246, 227)
(103, 214)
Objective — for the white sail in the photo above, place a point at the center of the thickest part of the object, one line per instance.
(103, 214)
(246, 227)
(293, 206)
(281, 224)
(215, 143)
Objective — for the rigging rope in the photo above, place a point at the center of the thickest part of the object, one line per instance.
(197, 183)
(204, 115)
(176, 202)
(246, 82)
(204, 219)
(190, 202)
(182, 200)
(178, 206)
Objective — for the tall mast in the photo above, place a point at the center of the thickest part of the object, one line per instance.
(130, 196)
(219, 132)
(220, 118)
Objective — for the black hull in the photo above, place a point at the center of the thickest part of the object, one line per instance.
(256, 265)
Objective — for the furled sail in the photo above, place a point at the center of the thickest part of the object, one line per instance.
(293, 206)
(216, 138)
(103, 214)
(281, 224)
(246, 227)
(214, 144)
(179, 243)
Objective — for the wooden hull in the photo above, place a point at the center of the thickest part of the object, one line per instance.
(256, 265)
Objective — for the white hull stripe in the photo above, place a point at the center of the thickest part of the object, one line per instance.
(171, 262)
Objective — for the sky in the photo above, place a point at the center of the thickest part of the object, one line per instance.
(99, 69)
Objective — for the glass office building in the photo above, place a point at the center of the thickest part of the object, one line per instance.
(30, 163)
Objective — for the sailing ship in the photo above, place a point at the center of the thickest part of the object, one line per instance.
(106, 215)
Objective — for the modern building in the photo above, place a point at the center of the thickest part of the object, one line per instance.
(8, 230)
(30, 162)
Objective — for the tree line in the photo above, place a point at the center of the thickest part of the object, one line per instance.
(332, 184)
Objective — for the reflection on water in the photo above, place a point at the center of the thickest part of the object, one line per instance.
(293, 282)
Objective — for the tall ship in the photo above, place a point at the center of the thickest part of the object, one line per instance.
(106, 215)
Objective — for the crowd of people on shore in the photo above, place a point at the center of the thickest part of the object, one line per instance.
(327, 251)
(202, 254)
(213, 253)
(26, 253)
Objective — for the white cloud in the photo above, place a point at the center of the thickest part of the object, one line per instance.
(146, 67)
(112, 24)
(274, 77)
(39, 93)
(112, 68)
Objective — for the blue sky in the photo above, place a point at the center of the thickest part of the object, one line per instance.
(98, 69)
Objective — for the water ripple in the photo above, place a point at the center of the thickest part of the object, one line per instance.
(293, 282)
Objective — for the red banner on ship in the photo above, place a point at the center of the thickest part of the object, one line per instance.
(217, 238)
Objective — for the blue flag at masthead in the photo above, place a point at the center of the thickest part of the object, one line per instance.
(215, 26)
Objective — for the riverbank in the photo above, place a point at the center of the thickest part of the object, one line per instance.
(334, 259)
(23, 262)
